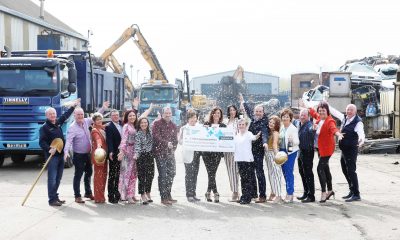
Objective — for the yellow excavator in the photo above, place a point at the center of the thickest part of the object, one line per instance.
(157, 90)
(133, 32)
(230, 87)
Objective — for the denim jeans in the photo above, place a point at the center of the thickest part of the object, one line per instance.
(55, 170)
(287, 169)
(82, 164)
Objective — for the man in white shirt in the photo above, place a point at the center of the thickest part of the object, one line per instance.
(353, 130)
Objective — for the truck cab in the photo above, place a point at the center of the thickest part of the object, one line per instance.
(28, 86)
(33, 81)
(161, 94)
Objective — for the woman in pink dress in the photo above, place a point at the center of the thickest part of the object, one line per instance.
(128, 170)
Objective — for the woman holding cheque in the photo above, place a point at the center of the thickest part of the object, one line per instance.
(191, 160)
(212, 159)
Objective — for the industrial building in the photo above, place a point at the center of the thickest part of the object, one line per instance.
(25, 25)
(300, 83)
(257, 83)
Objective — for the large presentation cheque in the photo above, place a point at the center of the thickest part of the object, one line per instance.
(208, 139)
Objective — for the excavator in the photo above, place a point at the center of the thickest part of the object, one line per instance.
(157, 90)
(230, 87)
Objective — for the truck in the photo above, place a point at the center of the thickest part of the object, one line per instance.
(32, 81)
(157, 90)
(161, 94)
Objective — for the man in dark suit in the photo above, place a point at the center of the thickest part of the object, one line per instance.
(113, 138)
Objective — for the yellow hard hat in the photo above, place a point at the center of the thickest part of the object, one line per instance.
(281, 157)
(100, 156)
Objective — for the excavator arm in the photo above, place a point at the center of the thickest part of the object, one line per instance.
(148, 55)
(145, 49)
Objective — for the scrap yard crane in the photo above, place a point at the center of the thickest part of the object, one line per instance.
(133, 32)
(230, 87)
(157, 90)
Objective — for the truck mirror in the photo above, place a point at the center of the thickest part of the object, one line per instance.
(72, 75)
(193, 92)
(71, 88)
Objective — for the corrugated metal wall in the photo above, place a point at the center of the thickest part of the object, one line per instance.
(2, 30)
(387, 102)
(22, 35)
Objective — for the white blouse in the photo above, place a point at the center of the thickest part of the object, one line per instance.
(243, 147)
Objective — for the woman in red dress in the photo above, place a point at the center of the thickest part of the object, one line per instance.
(100, 169)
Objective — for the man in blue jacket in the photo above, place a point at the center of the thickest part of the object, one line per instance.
(51, 130)
(259, 123)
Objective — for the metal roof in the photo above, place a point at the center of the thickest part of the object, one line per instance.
(29, 11)
(232, 71)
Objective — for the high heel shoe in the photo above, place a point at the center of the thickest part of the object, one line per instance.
(144, 200)
(216, 197)
(323, 197)
(332, 193)
(289, 199)
(208, 197)
(149, 200)
(271, 197)
(235, 197)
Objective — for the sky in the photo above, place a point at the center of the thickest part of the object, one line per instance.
(209, 36)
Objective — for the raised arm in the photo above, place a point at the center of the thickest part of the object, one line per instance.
(147, 112)
(105, 106)
(313, 113)
(61, 120)
(336, 113)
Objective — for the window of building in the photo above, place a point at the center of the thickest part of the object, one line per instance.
(305, 84)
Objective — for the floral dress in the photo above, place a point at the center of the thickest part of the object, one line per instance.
(128, 173)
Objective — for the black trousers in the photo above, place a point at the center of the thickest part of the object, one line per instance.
(113, 179)
(348, 162)
(211, 160)
(82, 164)
(324, 173)
(305, 164)
(145, 168)
(191, 172)
(259, 174)
(247, 174)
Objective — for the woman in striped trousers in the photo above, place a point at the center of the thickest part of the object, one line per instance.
(274, 170)
(231, 165)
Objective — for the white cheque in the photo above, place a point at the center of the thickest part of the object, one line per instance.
(199, 138)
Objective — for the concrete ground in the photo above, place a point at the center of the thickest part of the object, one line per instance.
(377, 216)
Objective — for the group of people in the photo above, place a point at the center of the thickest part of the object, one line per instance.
(134, 144)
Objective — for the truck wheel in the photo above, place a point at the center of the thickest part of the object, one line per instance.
(69, 163)
(1, 160)
(18, 158)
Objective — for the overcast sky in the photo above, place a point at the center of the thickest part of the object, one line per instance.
(278, 37)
